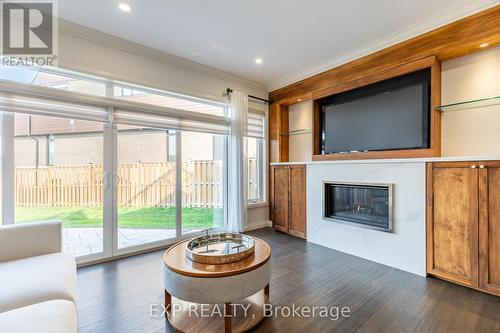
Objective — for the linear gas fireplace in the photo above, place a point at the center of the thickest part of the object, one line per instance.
(365, 205)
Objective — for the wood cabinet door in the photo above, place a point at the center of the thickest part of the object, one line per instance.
(452, 221)
(489, 226)
(281, 188)
(297, 223)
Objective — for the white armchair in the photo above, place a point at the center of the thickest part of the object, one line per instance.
(38, 280)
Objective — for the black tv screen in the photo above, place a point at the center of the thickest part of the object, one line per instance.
(388, 115)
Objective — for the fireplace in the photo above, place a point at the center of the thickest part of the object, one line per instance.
(365, 205)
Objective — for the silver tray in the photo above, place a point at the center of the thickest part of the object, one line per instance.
(221, 248)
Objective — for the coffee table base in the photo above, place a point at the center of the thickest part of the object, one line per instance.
(239, 316)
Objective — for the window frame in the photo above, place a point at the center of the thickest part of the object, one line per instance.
(110, 248)
(112, 84)
(263, 173)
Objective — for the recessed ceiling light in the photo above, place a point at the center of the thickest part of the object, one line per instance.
(484, 45)
(125, 7)
(258, 61)
(299, 100)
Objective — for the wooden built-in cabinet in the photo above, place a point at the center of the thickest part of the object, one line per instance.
(288, 199)
(489, 227)
(463, 223)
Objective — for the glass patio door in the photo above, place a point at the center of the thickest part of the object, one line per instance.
(146, 171)
(116, 188)
(59, 175)
(203, 181)
(120, 177)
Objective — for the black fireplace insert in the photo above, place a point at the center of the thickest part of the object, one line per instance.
(366, 205)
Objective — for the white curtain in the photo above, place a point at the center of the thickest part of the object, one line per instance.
(237, 166)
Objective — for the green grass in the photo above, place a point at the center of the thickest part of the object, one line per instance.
(161, 218)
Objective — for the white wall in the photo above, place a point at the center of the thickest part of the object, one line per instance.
(87, 51)
(300, 117)
(405, 247)
(92, 52)
(473, 131)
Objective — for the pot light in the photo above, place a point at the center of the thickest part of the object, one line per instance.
(258, 61)
(484, 45)
(124, 7)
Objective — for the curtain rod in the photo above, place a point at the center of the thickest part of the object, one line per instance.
(229, 91)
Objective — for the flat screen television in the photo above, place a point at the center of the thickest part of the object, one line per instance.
(389, 115)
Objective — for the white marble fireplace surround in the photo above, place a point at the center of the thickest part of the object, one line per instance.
(404, 248)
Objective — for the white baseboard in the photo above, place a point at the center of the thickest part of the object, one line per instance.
(258, 225)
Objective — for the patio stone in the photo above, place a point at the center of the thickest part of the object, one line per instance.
(85, 241)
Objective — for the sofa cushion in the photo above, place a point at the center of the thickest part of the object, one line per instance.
(37, 279)
(57, 316)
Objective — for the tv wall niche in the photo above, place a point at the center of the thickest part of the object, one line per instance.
(393, 114)
(390, 114)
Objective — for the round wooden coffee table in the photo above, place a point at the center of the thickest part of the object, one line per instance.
(215, 298)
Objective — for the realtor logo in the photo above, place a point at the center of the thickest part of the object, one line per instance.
(29, 32)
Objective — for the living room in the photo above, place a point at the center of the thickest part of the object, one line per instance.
(172, 166)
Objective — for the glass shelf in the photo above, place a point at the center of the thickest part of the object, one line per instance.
(297, 132)
(476, 103)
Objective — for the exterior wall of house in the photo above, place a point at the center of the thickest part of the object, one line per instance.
(89, 151)
(25, 151)
(145, 147)
(133, 147)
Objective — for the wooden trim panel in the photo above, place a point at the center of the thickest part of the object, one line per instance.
(435, 116)
(278, 123)
(377, 77)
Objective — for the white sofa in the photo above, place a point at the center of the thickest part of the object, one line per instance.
(37, 280)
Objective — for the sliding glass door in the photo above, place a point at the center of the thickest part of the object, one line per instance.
(203, 181)
(116, 188)
(58, 176)
(136, 170)
(146, 188)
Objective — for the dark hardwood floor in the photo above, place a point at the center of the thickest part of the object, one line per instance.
(116, 296)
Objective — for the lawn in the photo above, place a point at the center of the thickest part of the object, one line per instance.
(161, 218)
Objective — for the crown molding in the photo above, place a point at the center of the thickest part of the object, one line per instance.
(79, 31)
(385, 42)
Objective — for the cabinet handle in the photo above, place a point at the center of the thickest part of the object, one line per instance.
(481, 166)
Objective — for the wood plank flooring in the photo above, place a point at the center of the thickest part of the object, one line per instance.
(116, 296)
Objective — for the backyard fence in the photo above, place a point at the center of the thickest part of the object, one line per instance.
(138, 185)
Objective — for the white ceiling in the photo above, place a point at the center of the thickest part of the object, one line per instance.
(295, 38)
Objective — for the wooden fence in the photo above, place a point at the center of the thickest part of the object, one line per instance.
(138, 185)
